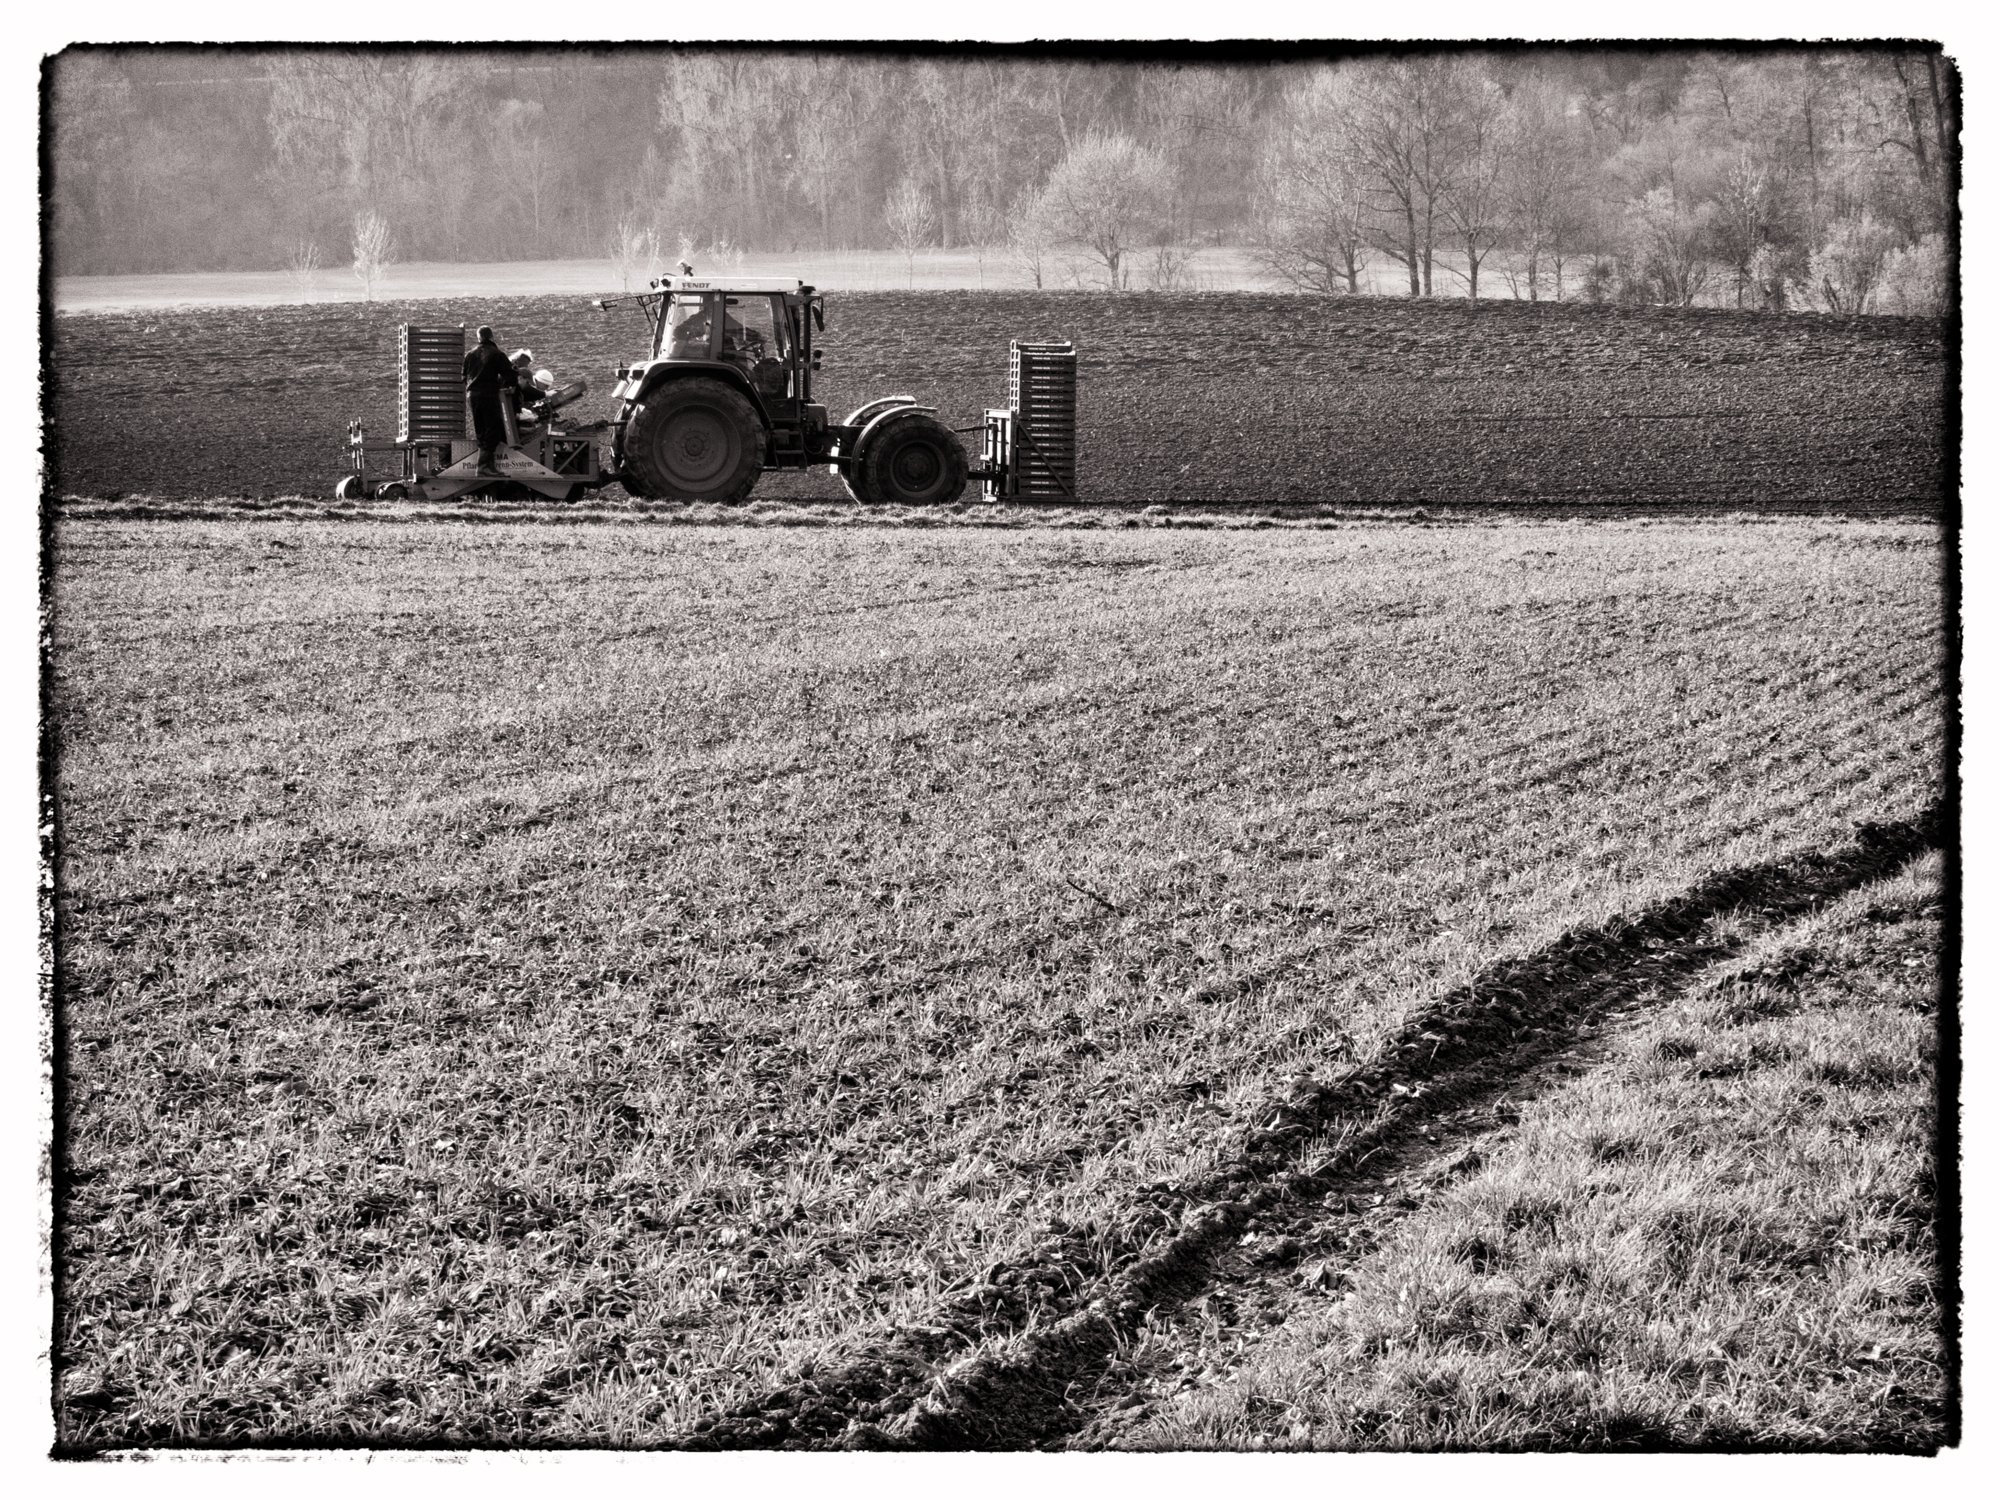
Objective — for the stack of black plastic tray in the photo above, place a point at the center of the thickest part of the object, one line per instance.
(1042, 391)
(433, 384)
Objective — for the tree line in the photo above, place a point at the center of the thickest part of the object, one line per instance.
(1819, 177)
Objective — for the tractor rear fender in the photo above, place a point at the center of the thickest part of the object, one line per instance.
(902, 408)
(861, 415)
(847, 435)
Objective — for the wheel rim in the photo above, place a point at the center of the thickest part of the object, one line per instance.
(697, 448)
(915, 468)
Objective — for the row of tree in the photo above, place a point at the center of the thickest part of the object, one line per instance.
(1810, 176)
(1813, 178)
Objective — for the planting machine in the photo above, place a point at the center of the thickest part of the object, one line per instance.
(724, 393)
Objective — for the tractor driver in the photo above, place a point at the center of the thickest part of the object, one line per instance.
(487, 373)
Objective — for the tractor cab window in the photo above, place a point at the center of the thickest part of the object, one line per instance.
(752, 331)
(757, 338)
(753, 328)
(685, 326)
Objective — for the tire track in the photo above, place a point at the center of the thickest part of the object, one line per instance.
(1016, 1389)
(1307, 1243)
(995, 1311)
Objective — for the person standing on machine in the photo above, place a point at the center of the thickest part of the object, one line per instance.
(488, 372)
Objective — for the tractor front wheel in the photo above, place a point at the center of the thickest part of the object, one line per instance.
(913, 460)
(694, 439)
(350, 488)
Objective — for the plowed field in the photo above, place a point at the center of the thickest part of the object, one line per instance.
(1213, 398)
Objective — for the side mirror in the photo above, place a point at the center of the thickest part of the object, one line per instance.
(819, 316)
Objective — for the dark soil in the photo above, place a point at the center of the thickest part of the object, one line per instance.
(1229, 397)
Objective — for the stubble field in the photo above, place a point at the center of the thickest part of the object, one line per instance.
(1233, 398)
(722, 986)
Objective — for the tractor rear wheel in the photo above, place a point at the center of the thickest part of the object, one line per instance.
(694, 439)
(913, 460)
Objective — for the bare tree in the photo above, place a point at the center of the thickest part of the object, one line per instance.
(374, 249)
(1844, 271)
(1916, 280)
(1108, 194)
(302, 264)
(1310, 223)
(1075, 97)
(1199, 117)
(1470, 193)
(371, 131)
(521, 151)
(985, 225)
(1403, 121)
(937, 99)
(825, 142)
(1030, 239)
(1170, 268)
(718, 109)
(1924, 93)
(1742, 217)
(1668, 241)
(635, 246)
(1545, 191)
(911, 218)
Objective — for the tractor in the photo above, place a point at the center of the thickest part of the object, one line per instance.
(726, 393)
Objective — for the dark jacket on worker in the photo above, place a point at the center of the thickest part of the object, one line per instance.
(487, 373)
(487, 369)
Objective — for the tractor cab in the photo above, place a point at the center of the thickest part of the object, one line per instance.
(747, 330)
(758, 326)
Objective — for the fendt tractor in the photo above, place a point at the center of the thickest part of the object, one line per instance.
(724, 394)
